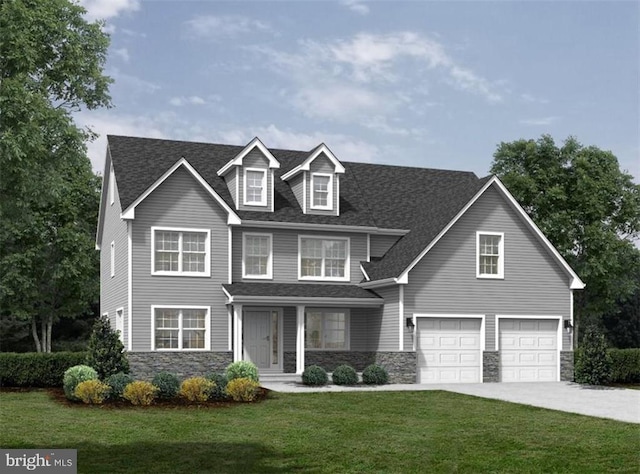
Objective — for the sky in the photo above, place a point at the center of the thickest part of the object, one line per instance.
(419, 83)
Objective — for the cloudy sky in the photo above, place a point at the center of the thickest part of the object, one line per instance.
(419, 83)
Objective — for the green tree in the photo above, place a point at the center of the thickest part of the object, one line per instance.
(593, 362)
(106, 351)
(51, 63)
(587, 207)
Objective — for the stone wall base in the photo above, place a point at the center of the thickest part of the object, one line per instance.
(491, 366)
(145, 365)
(566, 366)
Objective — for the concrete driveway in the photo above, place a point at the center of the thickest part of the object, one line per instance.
(602, 402)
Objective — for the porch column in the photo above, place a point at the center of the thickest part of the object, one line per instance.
(237, 332)
(300, 340)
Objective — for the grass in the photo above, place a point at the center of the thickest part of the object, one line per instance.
(328, 432)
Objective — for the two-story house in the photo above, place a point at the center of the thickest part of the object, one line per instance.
(216, 253)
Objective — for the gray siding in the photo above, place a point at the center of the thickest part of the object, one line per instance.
(445, 280)
(297, 186)
(255, 159)
(380, 244)
(285, 253)
(231, 179)
(179, 202)
(358, 329)
(490, 332)
(113, 290)
(322, 164)
(289, 325)
(385, 336)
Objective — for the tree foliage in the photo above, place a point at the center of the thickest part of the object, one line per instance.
(593, 362)
(587, 207)
(106, 351)
(51, 63)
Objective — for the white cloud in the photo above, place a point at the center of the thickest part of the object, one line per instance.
(356, 6)
(192, 100)
(105, 9)
(340, 102)
(122, 53)
(132, 83)
(531, 99)
(467, 80)
(218, 27)
(540, 121)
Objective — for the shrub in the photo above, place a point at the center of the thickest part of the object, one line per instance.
(243, 389)
(196, 389)
(242, 369)
(36, 369)
(314, 375)
(75, 375)
(118, 382)
(375, 375)
(625, 365)
(106, 351)
(140, 393)
(344, 375)
(220, 390)
(593, 363)
(168, 384)
(92, 391)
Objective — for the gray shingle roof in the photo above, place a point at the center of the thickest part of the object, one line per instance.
(421, 200)
(299, 290)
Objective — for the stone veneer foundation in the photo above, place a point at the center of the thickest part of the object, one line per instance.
(144, 365)
(566, 366)
(491, 366)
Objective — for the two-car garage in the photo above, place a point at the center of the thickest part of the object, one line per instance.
(450, 348)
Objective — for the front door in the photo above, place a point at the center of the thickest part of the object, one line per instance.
(258, 338)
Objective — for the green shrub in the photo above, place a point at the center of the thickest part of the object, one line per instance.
(375, 375)
(140, 393)
(106, 351)
(73, 376)
(36, 369)
(196, 389)
(344, 375)
(243, 389)
(242, 369)
(168, 384)
(314, 375)
(118, 382)
(220, 390)
(92, 392)
(592, 361)
(625, 365)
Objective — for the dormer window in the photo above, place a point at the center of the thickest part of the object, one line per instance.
(254, 187)
(321, 184)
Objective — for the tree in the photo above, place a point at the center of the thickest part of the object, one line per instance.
(622, 322)
(587, 207)
(106, 351)
(593, 362)
(51, 63)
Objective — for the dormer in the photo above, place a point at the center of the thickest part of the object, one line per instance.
(249, 177)
(316, 182)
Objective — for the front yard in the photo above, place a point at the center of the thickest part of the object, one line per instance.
(329, 432)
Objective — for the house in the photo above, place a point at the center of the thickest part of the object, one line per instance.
(216, 253)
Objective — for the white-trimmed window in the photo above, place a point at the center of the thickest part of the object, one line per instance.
(490, 254)
(180, 251)
(323, 258)
(180, 328)
(113, 259)
(322, 191)
(255, 187)
(257, 256)
(326, 329)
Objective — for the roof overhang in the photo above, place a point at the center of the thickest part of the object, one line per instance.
(323, 227)
(232, 217)
(306, 164)
(237, 161)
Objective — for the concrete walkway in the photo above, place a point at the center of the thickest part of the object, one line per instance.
(602, 402)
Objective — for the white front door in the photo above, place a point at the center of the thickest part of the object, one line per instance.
(260, 338)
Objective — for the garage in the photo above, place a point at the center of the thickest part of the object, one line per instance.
(449, 350)
(528, 350)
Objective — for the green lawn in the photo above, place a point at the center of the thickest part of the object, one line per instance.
(329, 432)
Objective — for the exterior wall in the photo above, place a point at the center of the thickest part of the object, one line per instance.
(445, 280)
(297, 186)
(179, 202)
(231, 180)
(401, 366)
(380, 244)
(491, 366)
(322, 164)
(285, 254)
(145, 365)
(566, 366)
(113, 290)
(386, 336)
(255, 159)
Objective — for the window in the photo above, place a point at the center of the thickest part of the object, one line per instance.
(326, 329)
(257, 256)
(112, 187)
(324, 259)
(113, 259)
(490, 255)
(254, 187)
(321, 184)
(181, 328)
(180, 252)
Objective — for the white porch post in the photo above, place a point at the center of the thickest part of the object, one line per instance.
(237, 332)
(300, 340)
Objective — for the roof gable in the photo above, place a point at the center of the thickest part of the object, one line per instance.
(315, 153)
(237, 160)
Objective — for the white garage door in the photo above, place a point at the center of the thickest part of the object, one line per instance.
(528, 350)
(448, 350)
